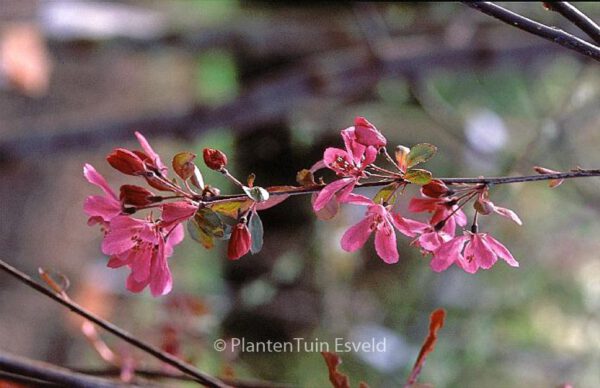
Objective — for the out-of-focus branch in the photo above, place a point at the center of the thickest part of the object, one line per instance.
(344, 74)
(577, 17)
(158, 374)
(198, 375)
(552, 34)
(39, 373)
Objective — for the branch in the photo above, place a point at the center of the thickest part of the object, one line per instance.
(578, 18)
(351, 73)
(37, 373)
(198, 375)
(449, 181)
(553, 34)
(158, 374)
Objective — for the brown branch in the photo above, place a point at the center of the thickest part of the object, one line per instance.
(37, 373)
(449, 181)
(577, 17)
(351, 75)
(188, 369)
(552, 34)
(158, 374)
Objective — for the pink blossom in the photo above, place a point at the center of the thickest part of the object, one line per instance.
(153, 159)
(471, 252)
(101, 209)
(349, 164)
(380, 220)
(144, 246)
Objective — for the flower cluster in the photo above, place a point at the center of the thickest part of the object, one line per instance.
(141, 228)
(438, 237)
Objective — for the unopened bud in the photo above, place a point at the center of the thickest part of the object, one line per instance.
(126, 162)
(136, 195)
(214, 159)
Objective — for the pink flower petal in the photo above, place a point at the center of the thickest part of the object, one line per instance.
(417, 205)
(162, 280)
(357, 199)
(150, 152)
(104, 207)
(356, 236)
(501, 251)
(95, 178)
(481, 254)
(355, 150)
(116, 262)
(407, 226)
(327, 193)
(272, 201)
(430, 241)
(385, 244)
(140, 261)
(508, 214)
(448, 253)
(328, 211)
(135, 286)
(331, 158)
(177, 212)
(367, 134)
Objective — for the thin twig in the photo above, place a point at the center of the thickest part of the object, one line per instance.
(51, 375)
(577, 17)
(553, 34)
(449, 181)
(198, 375)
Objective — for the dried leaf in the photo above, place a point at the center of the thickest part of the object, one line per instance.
(305, 178)
(337, 379)
(545, 171)
(183, 165)
(420, 153)
(436, 322)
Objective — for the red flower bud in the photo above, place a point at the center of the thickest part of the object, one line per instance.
(435, 189)
(135, 195)
(240, 241)
(126, 162)
(214, 159)
(367, 134)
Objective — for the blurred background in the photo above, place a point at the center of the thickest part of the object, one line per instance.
(272, 84)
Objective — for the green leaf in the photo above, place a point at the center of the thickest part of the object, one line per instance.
(183, 165)
(387, 194)
(231, 208)
(205, 226)
(256, 193)
(256, 230)
(420, 153)
(199, 235)
(418, 176)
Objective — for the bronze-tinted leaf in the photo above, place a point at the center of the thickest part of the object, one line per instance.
(231, 208)
(418, 176)
(420, 153)
(387, 194)
(337, 379)
(436, 322)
